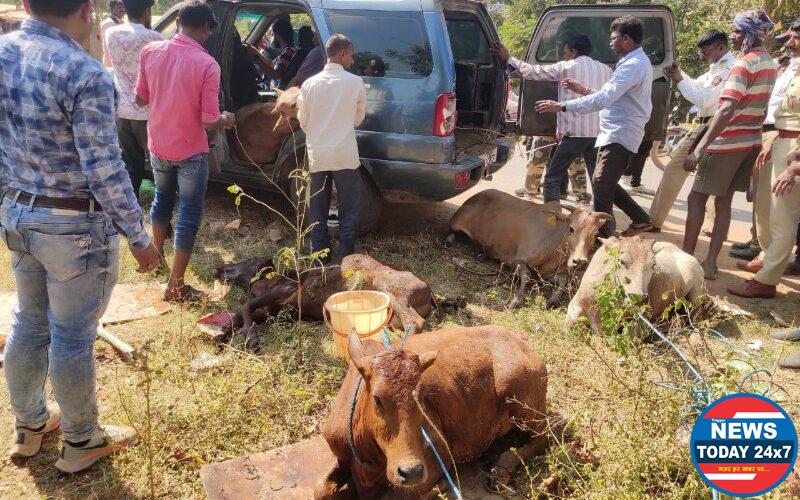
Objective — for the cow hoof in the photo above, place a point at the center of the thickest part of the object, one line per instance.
(251, 342)
(498, 480)
(552, 304)
(449, 239)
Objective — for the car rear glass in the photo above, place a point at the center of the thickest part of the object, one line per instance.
(468, 41)
(558, 30)
(388, 44)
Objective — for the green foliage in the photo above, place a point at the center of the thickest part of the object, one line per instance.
(619, 315)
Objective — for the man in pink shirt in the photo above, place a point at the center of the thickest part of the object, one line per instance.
(180, 82)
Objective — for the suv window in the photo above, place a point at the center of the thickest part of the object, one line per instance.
(246, 22)
(468, 41)
(559, 30)
(388, 44)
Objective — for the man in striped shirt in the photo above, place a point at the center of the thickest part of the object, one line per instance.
(576, 132)
(727, 152)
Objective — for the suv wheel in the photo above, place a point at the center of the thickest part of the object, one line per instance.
(371, 204)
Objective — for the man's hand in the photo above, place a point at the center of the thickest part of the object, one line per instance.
(230, 120)
(147, 258)
(548, 107)
(766, 151)
(784, 183)
(572, 85)
(500, 51)
(673, 72)
(793, 156)
(690, 164)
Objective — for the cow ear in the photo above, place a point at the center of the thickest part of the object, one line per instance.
(603, 216)
(609, 242)
(355, 349)
(554, 215)
(426, 359)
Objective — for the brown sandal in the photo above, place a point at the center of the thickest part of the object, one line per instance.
(642, 227)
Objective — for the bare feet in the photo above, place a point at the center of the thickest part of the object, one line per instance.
(709, 271)
(184, 294)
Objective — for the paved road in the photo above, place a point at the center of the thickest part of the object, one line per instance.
(433, 218)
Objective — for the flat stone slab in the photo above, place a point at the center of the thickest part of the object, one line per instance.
(292, 471)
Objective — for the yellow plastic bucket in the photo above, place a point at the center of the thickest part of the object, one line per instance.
(365, 310)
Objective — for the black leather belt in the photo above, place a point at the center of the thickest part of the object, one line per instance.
(769, 128)
(79, 204)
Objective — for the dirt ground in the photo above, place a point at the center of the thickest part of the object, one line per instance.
(623, 424)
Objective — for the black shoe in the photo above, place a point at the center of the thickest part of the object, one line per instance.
(741, 245)
(748, 253)
(793, 269)
(792, 362)
(786, 335)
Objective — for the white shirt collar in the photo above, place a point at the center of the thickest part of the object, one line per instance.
(727, 58)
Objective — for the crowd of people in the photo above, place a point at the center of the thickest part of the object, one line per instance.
(76, 139)
(75, 142)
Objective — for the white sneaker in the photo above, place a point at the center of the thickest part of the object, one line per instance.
(26, 442)
(107, 439)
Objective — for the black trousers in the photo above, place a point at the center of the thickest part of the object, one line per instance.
(569, 149)
(612, 162)
(348, 195)
(636, 163)
(133, 141)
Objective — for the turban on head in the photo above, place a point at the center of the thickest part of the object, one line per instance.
(754, 24)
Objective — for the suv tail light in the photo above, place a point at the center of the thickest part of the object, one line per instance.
(444, 118)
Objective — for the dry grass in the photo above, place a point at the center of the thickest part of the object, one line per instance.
(623, 426)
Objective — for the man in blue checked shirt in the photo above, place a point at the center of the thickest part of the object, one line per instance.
(67, 201)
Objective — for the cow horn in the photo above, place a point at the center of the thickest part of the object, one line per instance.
(570, 208)
(426, 359)
(604, 216)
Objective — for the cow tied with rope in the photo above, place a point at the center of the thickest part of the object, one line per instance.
(465, 387)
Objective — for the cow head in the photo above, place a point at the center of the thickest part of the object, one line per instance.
(637, 261)
(286, 105)
(583, 227)
(242, 273)
(390, 377)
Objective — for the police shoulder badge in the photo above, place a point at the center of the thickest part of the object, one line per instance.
(716, 81)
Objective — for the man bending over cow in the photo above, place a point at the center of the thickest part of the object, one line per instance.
(180, 81)
(626, 106)
(331, 104)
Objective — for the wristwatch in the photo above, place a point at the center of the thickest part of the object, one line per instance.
(563, 107)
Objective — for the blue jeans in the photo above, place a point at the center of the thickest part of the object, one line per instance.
(186, 180)
(348, 194)
(65, 265)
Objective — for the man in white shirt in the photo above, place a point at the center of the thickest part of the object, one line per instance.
(577, 133)
(704, 93)
(124, 45)
(625, 101)
(331, 104)
(116, 13)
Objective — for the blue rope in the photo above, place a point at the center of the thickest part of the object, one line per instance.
(441, 463)
(350, 439)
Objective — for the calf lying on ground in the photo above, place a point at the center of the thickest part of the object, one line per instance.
(262, 127)
(473, 383)
(411, 297)
(656, 272)
(529, 237)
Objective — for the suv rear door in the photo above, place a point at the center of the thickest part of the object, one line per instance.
(558, 24)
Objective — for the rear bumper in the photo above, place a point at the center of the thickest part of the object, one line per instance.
(401, 181)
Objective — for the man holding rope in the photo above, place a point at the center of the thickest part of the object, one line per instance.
(180, 81)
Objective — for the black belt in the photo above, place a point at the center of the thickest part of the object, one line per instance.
(79, 204)
(703, 119)
(769, 128)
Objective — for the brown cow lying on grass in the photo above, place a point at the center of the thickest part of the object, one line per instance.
(529, 237)
(263, 126)
(411, 297)
(473, 383)
(656, 273)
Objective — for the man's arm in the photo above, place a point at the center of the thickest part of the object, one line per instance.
(621, 81)
(525, 70)
(142, 89)
(267, 66)
(698, 94)
(361, 106)
(209, 101)
(302, 108)
(715, 127)
(95, 138)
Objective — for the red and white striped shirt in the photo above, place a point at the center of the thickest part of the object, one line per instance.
(749, 86)
(584, 70)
